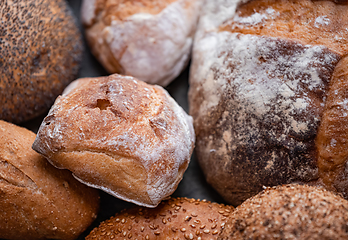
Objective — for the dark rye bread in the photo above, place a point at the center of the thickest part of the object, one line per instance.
(38, 201)
(176, 218)
(40, 54)
(268, 95)
(289, 212)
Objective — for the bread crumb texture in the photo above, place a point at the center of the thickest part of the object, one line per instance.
(150, 40)
(289, 212)
(177, 218)
(38, 201)
(121, 135)
(261, 77)
(40, 53)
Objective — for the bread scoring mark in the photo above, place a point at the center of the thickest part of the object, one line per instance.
(12, 175)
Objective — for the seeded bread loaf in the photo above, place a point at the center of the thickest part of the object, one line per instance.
(38, 201)
(150, 40)
(289, 212)
(121, 135)
(268, 95)
(40, 54)
(177, 218)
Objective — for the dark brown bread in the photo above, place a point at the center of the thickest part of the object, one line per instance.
(38, 201)
(121, 135)
(177, 218)
(40, 53)
(289, 212)
(268, 96)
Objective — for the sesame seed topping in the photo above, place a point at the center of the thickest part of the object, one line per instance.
(157, 233)
(202, 227)
(183, 229)
(214, 226)
(215, 232)
(206, 231)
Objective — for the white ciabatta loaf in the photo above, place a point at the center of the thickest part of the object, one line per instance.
(268, 95)
(150, 40)
(289, 212)
(121, 135)
(37, 200)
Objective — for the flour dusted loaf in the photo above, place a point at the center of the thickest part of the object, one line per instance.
(38, 201)
(268, 94)
(176, 218)
(40, 54)
(148, 39)
(289, 212)
(121, 135)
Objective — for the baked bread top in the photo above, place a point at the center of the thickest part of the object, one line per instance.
(39, 201)
(121, 135)
(267, 90)
(150, 40)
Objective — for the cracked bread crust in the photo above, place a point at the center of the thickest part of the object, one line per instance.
(260, 98)
(121, 135)
(38, 201)
(150, 40)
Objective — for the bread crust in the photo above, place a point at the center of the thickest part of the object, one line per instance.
(289, 212)
(121, 135)
(41, 50)
(37, 200)
(150, 40)
(258, 97)
(176, 218)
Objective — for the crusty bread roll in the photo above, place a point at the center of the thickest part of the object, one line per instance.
(289, 212)
(38, 201)
(121, 135)
(268, 95)
(150, 40)
(177, 218)
(40, 54)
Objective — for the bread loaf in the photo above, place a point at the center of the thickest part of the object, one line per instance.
(289, 212)
(268, 95)
(177, 218)
(121, 135)
(40, 54)
(38, 201)
(150, 40)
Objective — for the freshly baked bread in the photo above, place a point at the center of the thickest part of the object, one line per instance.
(121, 135)
(148, 39)
(268, 95)
(40, 53)
(177, 218)
(289, 212)
(38, 201)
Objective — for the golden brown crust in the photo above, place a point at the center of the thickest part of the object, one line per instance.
(41, 50)
(289, 212)
(177, 218)
(121, 135)
(150, 40)
(37, 200)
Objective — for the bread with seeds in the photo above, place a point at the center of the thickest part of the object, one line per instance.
(268, 94)
(120, 135)
(40, 53)
(148, 39)
(176, 218)
(38, 201)
(289, 212)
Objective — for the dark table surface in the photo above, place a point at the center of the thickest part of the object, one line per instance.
(193, 184)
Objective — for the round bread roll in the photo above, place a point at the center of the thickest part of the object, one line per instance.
(148, 39)
(40, 54)
(177, 218)
(38, 201)
(289, 212)
(268, 95)
(121, 135)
